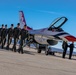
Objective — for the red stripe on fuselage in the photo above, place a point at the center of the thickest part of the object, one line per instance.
(70, 38)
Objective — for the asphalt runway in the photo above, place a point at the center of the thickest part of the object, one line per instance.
(32, 63)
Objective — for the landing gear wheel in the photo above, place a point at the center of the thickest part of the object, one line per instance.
(46, 52)
(39, 51)
(53, 53)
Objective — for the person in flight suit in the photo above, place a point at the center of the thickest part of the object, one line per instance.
(16, 36)
(1, 29)
(2, 35)
(64, 46)
(6, 31)
(24, 35)
(10, 35)
(71, 49)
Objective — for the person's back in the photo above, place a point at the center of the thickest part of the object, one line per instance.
(16, 32)
(10, 32)
(24, 33)
(65, 45)
(71, 46)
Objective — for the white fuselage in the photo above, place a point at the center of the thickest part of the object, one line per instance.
(42, 35)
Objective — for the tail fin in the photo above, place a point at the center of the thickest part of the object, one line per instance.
(23, 21)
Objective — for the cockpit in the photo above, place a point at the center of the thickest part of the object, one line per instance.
(57, 24)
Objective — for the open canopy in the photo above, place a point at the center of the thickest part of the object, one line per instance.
(58, 22)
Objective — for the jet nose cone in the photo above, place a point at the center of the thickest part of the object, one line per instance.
(71, 38)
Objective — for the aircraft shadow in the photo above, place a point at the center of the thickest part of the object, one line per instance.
(28, 52)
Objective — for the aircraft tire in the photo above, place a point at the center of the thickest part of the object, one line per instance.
(39, 51)
(46, 52)
(53, 53)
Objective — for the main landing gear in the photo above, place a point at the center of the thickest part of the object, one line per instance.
(46, 49)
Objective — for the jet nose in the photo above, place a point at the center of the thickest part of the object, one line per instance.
(71, 38)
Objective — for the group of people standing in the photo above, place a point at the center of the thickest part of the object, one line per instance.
(7, 34)
(65, 46)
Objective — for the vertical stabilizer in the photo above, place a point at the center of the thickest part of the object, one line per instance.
(23, 21)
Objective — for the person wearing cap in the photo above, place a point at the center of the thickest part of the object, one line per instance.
(24, 34)
(16, 36)
(71, 46)
(2, 25)
(10, 36)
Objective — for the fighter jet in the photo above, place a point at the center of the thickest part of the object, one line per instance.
(47, 36)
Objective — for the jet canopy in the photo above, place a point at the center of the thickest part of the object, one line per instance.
(57, 23)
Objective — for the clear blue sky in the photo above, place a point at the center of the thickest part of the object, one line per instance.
(39, 13)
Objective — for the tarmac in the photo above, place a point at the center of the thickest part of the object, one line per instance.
(32, 63)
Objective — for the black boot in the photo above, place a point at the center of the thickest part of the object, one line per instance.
(14, 48)
(21, 50)
(7, 47)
